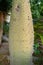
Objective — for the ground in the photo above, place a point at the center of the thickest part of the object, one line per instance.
(4, 54)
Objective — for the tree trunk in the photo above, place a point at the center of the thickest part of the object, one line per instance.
(1, 26)
(2, 19)
(21, 34)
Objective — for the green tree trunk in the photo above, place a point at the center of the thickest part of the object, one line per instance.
(21, 34)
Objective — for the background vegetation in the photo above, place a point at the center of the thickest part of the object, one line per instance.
(37, 14)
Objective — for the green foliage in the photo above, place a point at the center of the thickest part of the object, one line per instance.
(37, 13)
(36, 45)
(41, 36)
(39, 30)
(37, 8)
(5, 5)
(37, 52)
(6, 28)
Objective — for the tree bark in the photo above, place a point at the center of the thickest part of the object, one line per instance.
(21, 34)
(2, 19)
(1, 26)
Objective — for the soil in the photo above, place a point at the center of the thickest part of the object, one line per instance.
(4, 53)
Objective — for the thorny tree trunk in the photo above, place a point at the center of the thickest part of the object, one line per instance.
(21, 34)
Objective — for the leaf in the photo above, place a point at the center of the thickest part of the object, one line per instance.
(41, 36)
